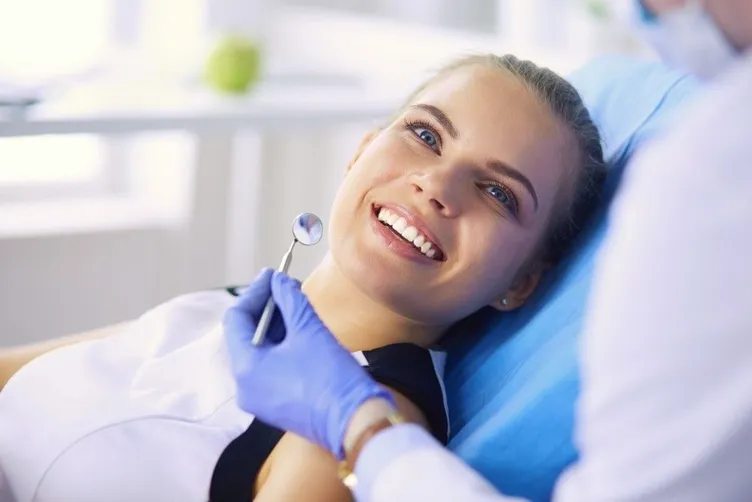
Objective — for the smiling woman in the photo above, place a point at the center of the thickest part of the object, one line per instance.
(462, 201)
(498, 160)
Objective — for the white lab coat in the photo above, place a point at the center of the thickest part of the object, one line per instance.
(666, 407)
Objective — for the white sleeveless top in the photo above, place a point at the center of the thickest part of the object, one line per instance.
(142, 415)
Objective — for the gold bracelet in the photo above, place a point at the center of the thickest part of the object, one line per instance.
(346, 468)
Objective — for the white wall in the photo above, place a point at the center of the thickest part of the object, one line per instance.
(51, 286)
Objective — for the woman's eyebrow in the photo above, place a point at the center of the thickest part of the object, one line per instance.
(507, 170)
(441, 117)
(494, 165)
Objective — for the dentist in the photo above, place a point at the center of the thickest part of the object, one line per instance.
(666, 407)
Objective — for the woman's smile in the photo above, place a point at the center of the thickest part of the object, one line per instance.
(402, 231)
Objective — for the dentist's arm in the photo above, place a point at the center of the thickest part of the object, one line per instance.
(405, 463)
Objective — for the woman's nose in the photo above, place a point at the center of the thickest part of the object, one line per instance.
(439, 190)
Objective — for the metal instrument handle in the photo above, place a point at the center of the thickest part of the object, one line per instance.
(266, 316)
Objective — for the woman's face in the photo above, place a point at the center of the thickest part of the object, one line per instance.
(470, 172)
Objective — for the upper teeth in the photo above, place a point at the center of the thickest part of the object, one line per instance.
(408, 232)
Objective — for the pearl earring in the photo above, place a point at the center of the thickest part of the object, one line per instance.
(505, 302)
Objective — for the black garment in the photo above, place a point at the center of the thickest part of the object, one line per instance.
(405, 367)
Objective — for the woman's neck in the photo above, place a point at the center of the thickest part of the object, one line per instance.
(356, 320)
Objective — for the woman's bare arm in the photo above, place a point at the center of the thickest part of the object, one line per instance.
(300, 470)
(13, 358)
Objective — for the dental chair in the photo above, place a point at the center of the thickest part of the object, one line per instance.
(512, 379)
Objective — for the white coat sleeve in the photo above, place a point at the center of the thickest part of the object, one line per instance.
(666, 407)
(405, 463)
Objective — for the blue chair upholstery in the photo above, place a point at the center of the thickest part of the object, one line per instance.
(512, 379)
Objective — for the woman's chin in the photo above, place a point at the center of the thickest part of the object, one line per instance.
(387, 285)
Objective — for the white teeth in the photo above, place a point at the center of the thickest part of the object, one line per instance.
(387, 216)
(410, 233)
(400, 224)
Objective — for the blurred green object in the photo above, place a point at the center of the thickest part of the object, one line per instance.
(233, 65)
(598, 9)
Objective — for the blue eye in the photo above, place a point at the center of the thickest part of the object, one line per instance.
(425, 132)
(427, 137)
(503, 196)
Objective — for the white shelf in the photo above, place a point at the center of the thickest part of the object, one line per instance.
(112, 110)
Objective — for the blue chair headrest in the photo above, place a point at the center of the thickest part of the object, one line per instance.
(512, 379)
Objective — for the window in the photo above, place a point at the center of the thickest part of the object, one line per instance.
(43, 42)
(51, 166)
(41, 39)
(53, 45)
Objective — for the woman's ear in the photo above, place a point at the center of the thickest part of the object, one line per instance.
(361, 147)
(523, 287)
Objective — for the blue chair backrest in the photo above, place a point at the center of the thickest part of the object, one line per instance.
(512, 379)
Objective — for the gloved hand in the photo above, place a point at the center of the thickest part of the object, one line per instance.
(307, 383)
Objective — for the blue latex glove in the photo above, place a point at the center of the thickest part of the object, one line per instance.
(306, 383)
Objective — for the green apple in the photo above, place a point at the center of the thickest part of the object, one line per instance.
(233, 65)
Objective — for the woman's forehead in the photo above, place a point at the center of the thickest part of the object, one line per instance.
(499, 116)
(491, 103)
(478, 92)
(482, 99)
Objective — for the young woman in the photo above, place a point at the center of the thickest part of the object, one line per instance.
(462, 201)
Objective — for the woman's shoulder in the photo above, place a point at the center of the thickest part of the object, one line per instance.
(180, 320)
(165, 370)
(163, 352)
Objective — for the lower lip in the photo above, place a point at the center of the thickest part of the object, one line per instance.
(397, 244)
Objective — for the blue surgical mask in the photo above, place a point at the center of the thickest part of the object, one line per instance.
(687, 38)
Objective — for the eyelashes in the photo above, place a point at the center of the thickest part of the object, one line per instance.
(430, 137)
(503, 195)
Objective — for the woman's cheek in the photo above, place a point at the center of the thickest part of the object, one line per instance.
(388, 168)
(401, 160)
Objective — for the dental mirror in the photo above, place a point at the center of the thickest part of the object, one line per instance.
(307, 229)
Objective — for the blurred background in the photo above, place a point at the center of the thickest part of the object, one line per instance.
(136, 163)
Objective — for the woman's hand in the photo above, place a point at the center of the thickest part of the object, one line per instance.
(307, 383)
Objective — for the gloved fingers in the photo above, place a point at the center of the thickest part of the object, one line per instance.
(240, 320)
(239, 327)
(276, 331)
(283, 283)
(291, 302)
(253, 299)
